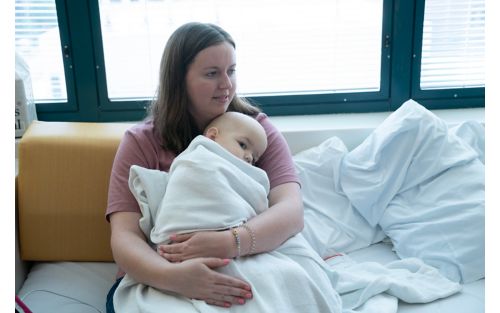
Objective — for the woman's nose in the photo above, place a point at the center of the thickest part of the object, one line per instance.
(225, 82)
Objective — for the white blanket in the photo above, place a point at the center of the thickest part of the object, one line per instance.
(370, 287)
(208, 188)
(423, 185)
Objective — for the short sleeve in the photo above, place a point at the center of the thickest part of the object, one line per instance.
(139, 146)
(277, 159)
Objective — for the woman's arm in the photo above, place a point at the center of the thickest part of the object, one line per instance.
(271, 228)
(194, 278)
(283, 219)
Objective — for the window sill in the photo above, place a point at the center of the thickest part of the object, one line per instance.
(305, 131)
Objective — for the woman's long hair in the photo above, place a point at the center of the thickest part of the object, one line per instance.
(169, 111)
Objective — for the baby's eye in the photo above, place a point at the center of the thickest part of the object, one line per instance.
(243, 145)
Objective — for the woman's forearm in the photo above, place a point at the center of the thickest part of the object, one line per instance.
(283, 219)
(132, 253)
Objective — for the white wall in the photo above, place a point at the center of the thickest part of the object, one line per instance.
(305, 131)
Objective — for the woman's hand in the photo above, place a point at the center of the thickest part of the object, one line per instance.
(220, 244)
(200, 281)
(194, 278)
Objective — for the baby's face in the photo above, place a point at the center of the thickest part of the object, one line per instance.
(246, 143)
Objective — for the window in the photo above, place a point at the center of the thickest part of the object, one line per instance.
(453, 44)
(448, 54)
(313, 47)
(294, 57)
(38, 43)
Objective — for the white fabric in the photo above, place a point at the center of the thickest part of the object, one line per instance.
(208, 181)
(469, 299)
(425, 187)
(81, 287)
(364, 286)
(70, 287)
(293, 278)
(472, 133)
(331, 223)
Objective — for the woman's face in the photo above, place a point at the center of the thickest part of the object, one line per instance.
(211, 82)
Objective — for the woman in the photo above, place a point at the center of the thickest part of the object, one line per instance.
(197, 84)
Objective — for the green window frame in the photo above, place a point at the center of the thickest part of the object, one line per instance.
(402, 28)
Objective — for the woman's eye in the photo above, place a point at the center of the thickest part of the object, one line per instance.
(211, 74)
(231, 72)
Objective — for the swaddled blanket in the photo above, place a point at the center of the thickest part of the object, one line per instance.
(209, 188)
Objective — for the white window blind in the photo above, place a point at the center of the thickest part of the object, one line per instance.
(282, 46)
(38, 42)
(453, 44)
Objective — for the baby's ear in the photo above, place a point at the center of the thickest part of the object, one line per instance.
(212, 132)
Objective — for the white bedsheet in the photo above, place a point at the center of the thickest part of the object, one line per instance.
(413, 180)
(424, 186)
(470, 299)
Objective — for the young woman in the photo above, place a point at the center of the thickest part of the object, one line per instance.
(197, 83)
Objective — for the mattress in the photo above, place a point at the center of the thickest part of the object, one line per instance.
(81, 287)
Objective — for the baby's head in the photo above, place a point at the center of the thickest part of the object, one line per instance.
(240, 134)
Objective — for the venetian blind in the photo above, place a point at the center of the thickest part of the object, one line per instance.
(453, 44)
(289, 47)
(37, 41)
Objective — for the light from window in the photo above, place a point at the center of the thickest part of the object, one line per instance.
(453, 44)
(38, 43)
(289, 47)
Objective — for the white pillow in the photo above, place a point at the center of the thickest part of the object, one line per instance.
(425, 187)
(332, 225)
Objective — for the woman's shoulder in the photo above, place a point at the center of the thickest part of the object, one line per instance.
(265, 121)
(141, 144)
(261, 116)
(141, 136)
(141, 129)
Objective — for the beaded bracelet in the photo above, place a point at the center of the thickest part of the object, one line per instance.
(237, 240)
(252, 238)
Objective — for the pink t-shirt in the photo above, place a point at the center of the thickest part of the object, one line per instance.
(141, 146)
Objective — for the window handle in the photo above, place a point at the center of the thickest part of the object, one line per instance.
(66, 52)
(387, 41)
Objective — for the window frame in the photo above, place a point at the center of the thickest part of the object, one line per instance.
(402, 27)
(438, 98)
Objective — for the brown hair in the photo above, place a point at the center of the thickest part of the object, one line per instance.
(169, 111)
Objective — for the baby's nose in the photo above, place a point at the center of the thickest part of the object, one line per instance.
(249, 158)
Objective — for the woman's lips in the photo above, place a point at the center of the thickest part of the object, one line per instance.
(222, 99)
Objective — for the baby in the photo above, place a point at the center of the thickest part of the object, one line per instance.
(239, 134)
(208, 187)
